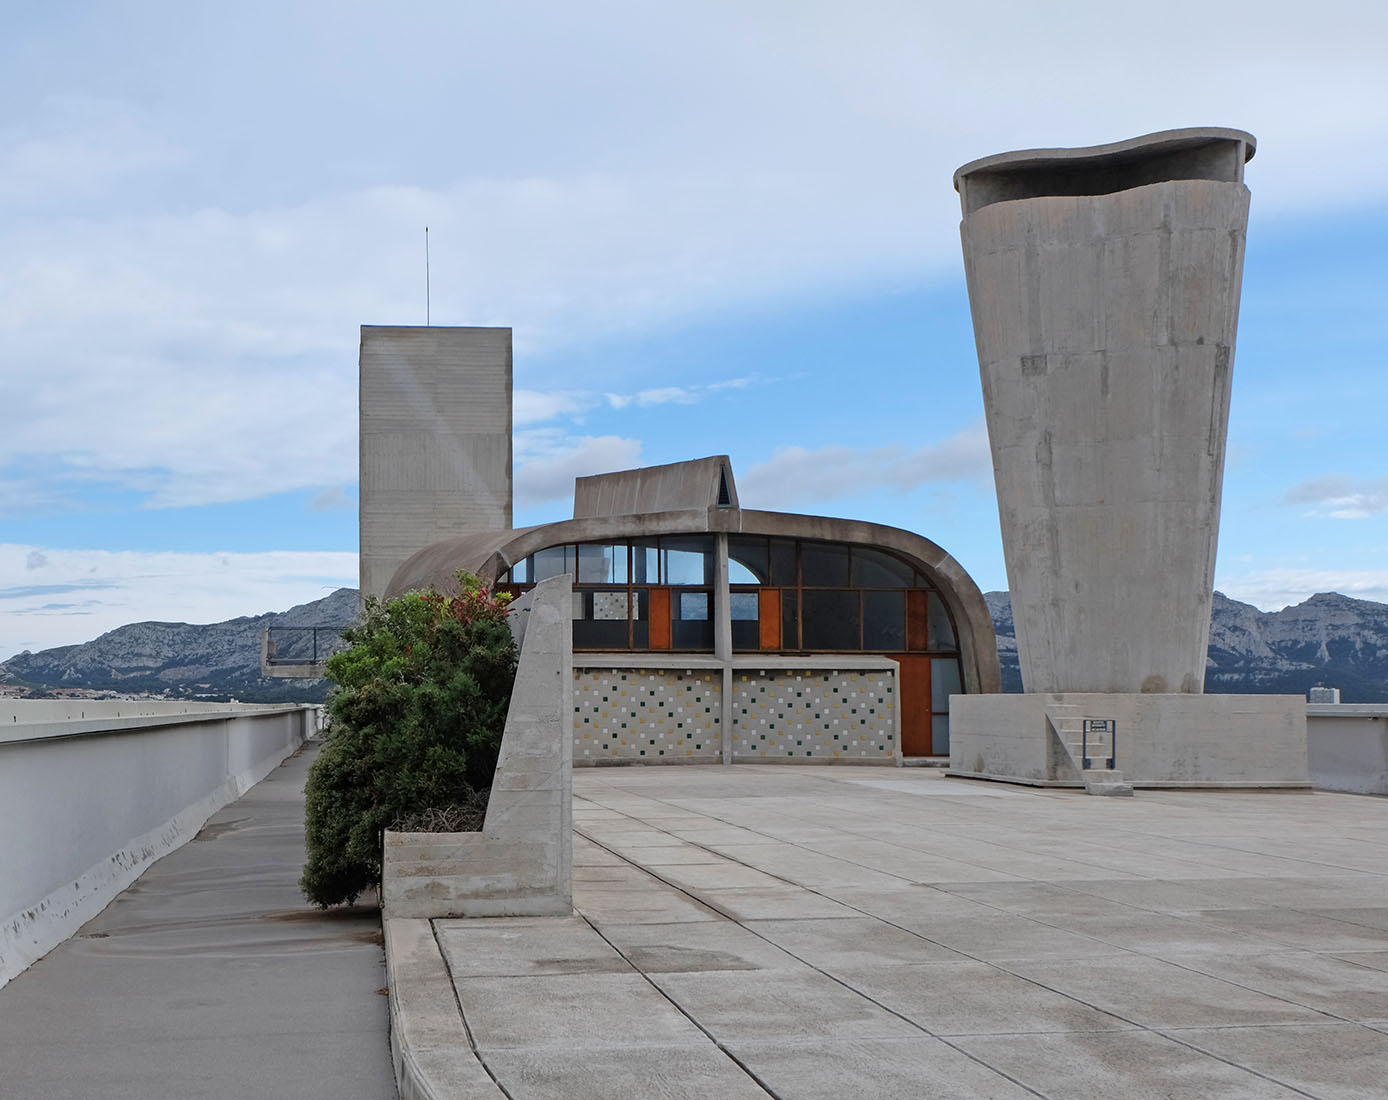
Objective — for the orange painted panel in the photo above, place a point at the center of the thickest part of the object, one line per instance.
(917, 619)
(914, 687)
(769, 617)
(660, 618)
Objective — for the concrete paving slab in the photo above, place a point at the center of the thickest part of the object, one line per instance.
(970, 998)
(1306, 978)
(494, 947)
(1136, 1065)
(788, 1003)
(570, 1011)
(624, 1073)
(771, 903)
(1293, 928)
(1158, 994)
(883, 1069)
(832, 943)
(1337, 1061)
(706, 945)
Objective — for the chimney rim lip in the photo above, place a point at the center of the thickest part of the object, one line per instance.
(1160, 142)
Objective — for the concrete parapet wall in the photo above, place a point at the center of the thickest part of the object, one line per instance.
(92, 793)
(1347, 747)
(521, 863)
(1224, 741)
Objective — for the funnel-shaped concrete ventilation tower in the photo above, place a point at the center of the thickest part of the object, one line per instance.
(1104, 284)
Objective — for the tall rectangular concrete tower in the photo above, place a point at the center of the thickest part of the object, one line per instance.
(435, 410)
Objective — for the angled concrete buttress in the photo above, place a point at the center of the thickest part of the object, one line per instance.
(1105, 284)
(521, 863)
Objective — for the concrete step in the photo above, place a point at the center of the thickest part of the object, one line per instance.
(1106, 781)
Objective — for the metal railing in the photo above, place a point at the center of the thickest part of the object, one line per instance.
(301, 645)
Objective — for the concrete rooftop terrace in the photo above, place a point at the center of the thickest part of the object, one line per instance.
(837, 932)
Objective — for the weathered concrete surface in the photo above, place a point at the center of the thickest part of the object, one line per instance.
(1105, 287)
(1347, 746)
(1163, 740)
(91, 793)
(435, 420)
(521, 863)
(822, 933)
(674, 487)
(209, 978)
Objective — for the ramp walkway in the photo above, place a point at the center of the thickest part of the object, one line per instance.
(209, 978)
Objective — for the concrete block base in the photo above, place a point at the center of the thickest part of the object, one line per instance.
(1216, 741)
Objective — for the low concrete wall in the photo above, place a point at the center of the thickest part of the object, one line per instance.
(521, 863)
(92, 793)
(1347, 747)
(1223, 741)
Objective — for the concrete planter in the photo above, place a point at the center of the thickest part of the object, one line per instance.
(521, 863)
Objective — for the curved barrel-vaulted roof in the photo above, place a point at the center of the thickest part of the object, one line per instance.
(699, 486)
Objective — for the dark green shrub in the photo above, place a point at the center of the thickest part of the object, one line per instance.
(415, 723)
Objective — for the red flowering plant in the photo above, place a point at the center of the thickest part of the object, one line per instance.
(415, 723)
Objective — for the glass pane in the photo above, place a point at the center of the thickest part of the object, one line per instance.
(595, 564)
(790, 619)
(939, 735)
(783, 562)
(830, 619)
(944, 682)
(640, 623)
(693, 606)
(610, 605)
(747, 637)
(748, 560)
(686, 560)
(941, 633)
(692, 627)
(645, 562)
(599, 628)
(552, 562)
(875, 569)
(884, 621)
(823, 565)
(520, 573)
(743, 606)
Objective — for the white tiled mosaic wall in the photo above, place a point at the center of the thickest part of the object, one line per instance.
(650, 715)
(786, 714)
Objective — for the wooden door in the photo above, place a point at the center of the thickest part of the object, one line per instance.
(913, 686)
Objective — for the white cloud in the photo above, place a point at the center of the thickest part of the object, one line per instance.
(51, 597)
(553, 460)
(1274, 589)
(795, 474)
(1339, 497)
(535, 407)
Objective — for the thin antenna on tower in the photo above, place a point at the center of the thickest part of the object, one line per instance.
(426, 276)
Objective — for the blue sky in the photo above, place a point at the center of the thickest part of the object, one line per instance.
(715, 228)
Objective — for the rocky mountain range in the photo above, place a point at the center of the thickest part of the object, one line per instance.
(217, 661)
(1329, 640)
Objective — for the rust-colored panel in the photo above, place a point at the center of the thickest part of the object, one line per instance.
(660, 618)
(917, 619)
(914, 686)
(769, 617)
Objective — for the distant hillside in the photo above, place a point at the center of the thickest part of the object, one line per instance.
(1329, 639)
(216, 661)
